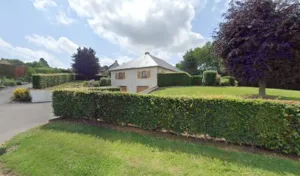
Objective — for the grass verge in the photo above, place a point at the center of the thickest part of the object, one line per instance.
(66, 148)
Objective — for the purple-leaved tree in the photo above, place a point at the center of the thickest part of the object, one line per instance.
(259, 41)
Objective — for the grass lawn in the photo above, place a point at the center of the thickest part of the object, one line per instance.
(65, 148)
(228, 91)
(72, 84)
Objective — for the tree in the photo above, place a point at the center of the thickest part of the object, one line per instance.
(85, 62)
(43, 63)
(200, 59)
(189, 63)
(260, 41)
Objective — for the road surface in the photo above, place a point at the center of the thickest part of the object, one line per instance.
(19, 117)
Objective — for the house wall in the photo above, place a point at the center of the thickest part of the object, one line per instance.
(131, 80)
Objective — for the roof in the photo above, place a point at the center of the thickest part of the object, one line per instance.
(146, 60)
(4, 62)
(114, 65)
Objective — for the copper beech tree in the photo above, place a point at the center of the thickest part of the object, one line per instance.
(259, 41)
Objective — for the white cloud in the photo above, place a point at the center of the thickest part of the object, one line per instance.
(138, 26)
(63, 44)
(43, 4)
(63, 18)
(27, 55)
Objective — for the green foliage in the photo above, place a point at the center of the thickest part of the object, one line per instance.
(19, 83)
(96, 84)
(210, 78)
(41, 81)
(266, 124)
(231, 80)
(173, 79)
(198, 60)
(109, 89)
(21, 94)
(85, 83)
(105, 81)
(196, 80)
(225, 82)
(8, 82)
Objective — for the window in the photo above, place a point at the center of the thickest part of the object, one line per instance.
(143, 74)
(120, 75)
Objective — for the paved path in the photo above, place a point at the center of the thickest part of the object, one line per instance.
(19, 117)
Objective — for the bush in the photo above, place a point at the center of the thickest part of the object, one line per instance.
(41, 81)
(96, 84)
(231, 80)
(173, 79)
(196, 80)
(225, 82)
(210, 78)
(85, 83)
(21, 94)
(105, 81)
(260, 123)
(2, 86)
(8, 82)
(19, 83)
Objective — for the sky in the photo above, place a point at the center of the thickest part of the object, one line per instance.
(119, 30)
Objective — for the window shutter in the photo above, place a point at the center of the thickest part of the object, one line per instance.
(148, 74)
(116, 75)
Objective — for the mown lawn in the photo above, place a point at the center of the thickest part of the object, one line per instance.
(73, 84)
(65, 148)
(198, 91)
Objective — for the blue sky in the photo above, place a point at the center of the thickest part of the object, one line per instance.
(115, 29)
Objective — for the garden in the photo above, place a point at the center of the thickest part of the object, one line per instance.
(199, 122)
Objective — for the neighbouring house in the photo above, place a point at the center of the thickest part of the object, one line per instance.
(104, 71)
(12, 71)
(140, 74)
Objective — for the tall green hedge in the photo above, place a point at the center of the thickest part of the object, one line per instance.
(258, 123)
(173, 79)
(41, 81)
(196, 80)
(210, 78)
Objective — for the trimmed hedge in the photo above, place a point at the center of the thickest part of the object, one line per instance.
(105, 81)
(210, 78)
(42, 81)
(225, 82)
(231, 80)
(260, 123)
(196, 80)
(173, 79)
(109, 89)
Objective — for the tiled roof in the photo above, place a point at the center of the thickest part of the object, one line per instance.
(146, 60)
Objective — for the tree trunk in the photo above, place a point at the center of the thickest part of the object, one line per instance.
(262, 88)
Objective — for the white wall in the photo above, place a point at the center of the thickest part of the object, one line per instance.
(40, 95)
(131, 80)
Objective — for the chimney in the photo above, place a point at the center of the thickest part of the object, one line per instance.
(147, 53)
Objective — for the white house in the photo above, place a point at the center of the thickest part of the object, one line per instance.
(140, 74)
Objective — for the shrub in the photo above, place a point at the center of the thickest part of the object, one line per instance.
(105, 81)
(21, 94)
(196, 80)
(9, 82)
(96, 84)
(19, 83)
(260, 123)
(231, 80)
(210, 78)
(41, 81)
(173, 79)
(85, 83)
(225, 82)
(2, 86)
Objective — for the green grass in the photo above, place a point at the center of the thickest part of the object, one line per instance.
(227, 91)
(72, 84)
(62, 148)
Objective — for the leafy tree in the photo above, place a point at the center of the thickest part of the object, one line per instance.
(85, 62)
(189, 63)
(260, 41)
(44, 63)
(200, 59)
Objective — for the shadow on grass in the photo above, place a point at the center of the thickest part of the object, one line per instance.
(270, 163)
(2, 150)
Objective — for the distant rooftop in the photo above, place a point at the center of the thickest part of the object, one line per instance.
(146, 60)
(4, 62)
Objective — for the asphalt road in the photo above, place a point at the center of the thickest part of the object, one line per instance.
(19, 117)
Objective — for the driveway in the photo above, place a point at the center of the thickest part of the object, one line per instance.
(19, 117)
